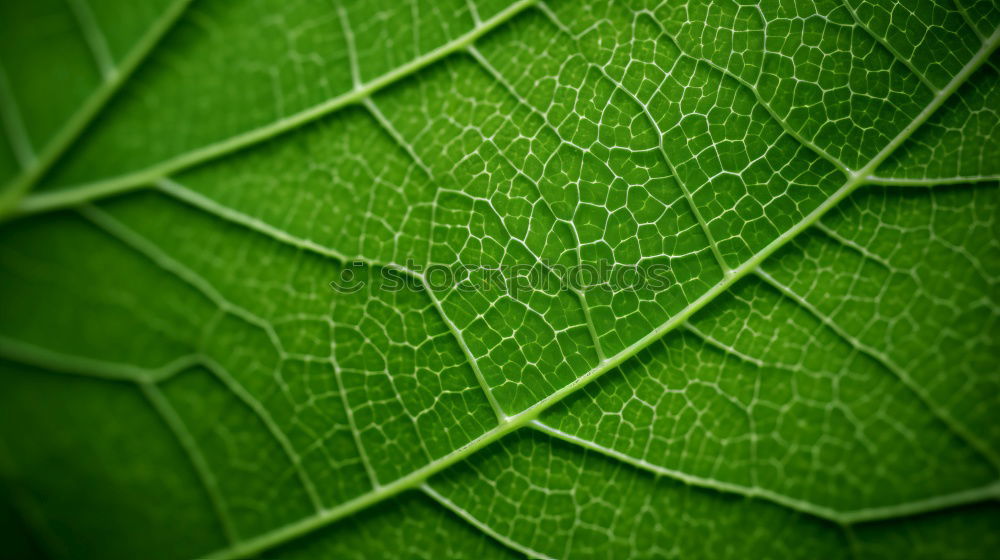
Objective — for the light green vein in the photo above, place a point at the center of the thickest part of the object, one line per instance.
(688, 195)
(152, 252)
(210, 206)
(959, 5)
(94, 37)
(887, 363)
(929, 182)
(14, 193)
(355, 433)
(889, 47)
(452, 327)
(486, 529)
(846, 517)
(176, 424)
(754, 90)
(74, 195)
(49, 360)
(509, 88)
(853, 245)
(13, 124)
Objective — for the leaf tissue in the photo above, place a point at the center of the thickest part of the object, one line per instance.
(491, 278)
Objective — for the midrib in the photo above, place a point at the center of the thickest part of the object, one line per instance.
(416, 478)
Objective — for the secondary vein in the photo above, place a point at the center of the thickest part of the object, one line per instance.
(72, 196)
(71, 130)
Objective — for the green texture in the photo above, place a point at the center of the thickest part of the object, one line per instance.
(181, 181)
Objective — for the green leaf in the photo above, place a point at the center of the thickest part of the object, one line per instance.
(210, 209)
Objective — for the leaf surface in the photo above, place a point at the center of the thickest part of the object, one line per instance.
(815, 184)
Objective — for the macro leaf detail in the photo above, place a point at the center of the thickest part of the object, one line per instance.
(496, 278)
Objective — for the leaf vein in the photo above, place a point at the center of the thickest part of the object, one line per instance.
(78, 194)
(486, 529)
(19, 187)
(841, 517)
(888, 364)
